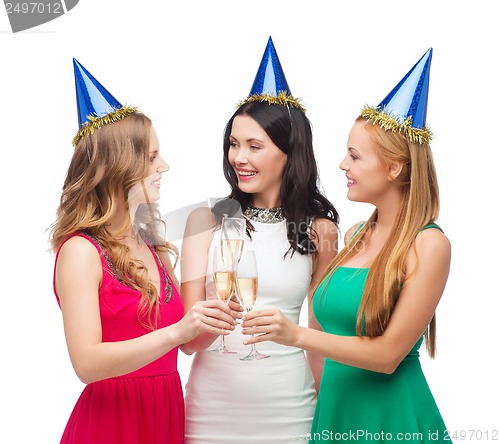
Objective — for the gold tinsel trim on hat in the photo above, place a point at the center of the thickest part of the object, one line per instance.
(381, 117)
(94, 122)
(282, 98)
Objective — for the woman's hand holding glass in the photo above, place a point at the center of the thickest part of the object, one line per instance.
(270, 325)
(211, 316)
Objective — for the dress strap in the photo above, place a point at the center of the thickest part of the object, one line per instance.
(433, 225)
(361, 225)
(164, 275)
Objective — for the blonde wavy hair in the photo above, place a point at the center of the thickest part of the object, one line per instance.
(104, 168)
(419, 207)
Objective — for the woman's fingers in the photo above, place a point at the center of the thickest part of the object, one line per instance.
(214, 314)
(259, 313)
(258, 338)
(217, 318)
(268, 325)
(262, 317)
(215, 330)
(260, 325)
(209, 324)
(235, 306)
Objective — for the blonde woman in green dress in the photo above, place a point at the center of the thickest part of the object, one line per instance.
(376, 301)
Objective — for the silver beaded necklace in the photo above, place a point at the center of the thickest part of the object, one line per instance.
(264, 215)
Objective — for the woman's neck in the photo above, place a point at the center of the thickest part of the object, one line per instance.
(263, 201)
(388, 209)
(117, 225)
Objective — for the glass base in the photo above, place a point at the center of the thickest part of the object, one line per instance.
(222, 349)
(254, 355)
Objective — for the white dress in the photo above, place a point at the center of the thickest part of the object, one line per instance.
(265, 401)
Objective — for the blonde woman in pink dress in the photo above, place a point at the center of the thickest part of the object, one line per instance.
(123, 317)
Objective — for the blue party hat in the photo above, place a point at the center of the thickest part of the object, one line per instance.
(96, 106)
(404, 109)
(270, 83)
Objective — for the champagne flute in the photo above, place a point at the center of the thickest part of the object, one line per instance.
(232, 238)
(224, 282)
(247, 285)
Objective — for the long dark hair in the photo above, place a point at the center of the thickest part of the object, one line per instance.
(301, 199)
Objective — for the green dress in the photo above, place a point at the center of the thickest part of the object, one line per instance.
(357, 405)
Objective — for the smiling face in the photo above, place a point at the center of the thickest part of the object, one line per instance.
(148, 189)
(256, 160)
(368, 176)
(157, 166)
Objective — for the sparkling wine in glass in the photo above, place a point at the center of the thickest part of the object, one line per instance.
(247, 286)
(224, 283)
(232, 239)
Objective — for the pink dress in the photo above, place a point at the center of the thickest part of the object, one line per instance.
(142, 407)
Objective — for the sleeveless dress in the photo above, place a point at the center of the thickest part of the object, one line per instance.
(359, 405)
(142, 407)
(271, 400)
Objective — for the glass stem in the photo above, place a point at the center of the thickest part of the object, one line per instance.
(253, 350)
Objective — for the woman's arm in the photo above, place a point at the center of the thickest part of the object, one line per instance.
(427, 272)
(78, 276)
(327, 245)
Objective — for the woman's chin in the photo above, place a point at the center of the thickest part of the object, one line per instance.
(246, 187)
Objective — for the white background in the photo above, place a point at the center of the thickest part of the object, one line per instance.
(186, 64)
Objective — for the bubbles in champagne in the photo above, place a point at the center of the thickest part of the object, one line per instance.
(247, 291)
(231, 250)
(224, 284)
